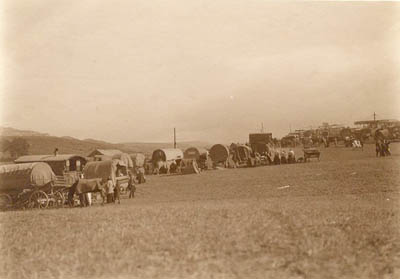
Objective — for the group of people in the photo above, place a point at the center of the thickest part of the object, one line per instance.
(114, 191)
(281, 157)
(382, 148)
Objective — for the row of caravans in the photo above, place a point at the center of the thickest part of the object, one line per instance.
(367, 131)
(43, 180)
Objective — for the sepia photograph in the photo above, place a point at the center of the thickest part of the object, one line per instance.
(199, 139)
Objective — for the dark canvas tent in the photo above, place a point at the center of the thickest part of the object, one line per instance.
(27, 175)
(219, 153)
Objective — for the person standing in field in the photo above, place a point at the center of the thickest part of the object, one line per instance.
(361, 143)
(140, 175)
(110, 190)
(386, 148)
(378, 148)
(117, 192)
(131, 186)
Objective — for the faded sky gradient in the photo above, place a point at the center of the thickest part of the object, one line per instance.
(132, 70)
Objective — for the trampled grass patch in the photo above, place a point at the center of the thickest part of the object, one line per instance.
(339, 218)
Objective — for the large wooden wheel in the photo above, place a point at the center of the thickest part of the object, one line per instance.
(39, 199)
(5, 201)
(57, 200)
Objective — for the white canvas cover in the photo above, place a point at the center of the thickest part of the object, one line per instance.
(168, 154)
(101, 169)
(27, 175)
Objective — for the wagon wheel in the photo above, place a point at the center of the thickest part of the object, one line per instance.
(5, 201)
(57, 200)
(39, 199)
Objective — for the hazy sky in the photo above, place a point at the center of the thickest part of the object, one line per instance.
(132, 70)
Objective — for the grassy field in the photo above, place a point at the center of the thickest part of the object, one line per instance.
(337, 218)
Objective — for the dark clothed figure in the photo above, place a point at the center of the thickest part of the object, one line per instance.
(377, 148)
(386, 148)
(117, 192)
(131, 186)
(382, 150)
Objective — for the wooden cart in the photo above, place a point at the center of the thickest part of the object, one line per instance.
(311, 153)
(29, 185)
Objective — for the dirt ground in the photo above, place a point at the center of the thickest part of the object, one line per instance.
(337, 218)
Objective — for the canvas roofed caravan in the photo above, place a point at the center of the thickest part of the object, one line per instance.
(226, 139)
(167, 154)
(242, 153)
(195, 153)
(219, 153)
(27, 175)
(115, 169)
(201, 155)
(101, 169)
(59, 163)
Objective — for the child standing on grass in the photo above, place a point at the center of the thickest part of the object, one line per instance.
(110, 190)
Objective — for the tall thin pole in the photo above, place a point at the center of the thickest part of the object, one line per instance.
(374, 116)
(174, 138)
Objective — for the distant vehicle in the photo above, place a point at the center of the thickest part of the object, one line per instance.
(200, 155)
(259, 142)
(28, 185)
(167, 160)
(115, 169)
(371, 129)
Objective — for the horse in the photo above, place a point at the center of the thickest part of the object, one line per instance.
(83, 186)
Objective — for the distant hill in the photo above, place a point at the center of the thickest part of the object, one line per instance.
(11, 132)
(45, 144)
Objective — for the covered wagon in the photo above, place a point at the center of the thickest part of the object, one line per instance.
(115, 169)
(28, 185)
(67, 167)
(311, 153)
(167, 160)
(139, 161)
(220, 154)
(200, 155)
(243, 155)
